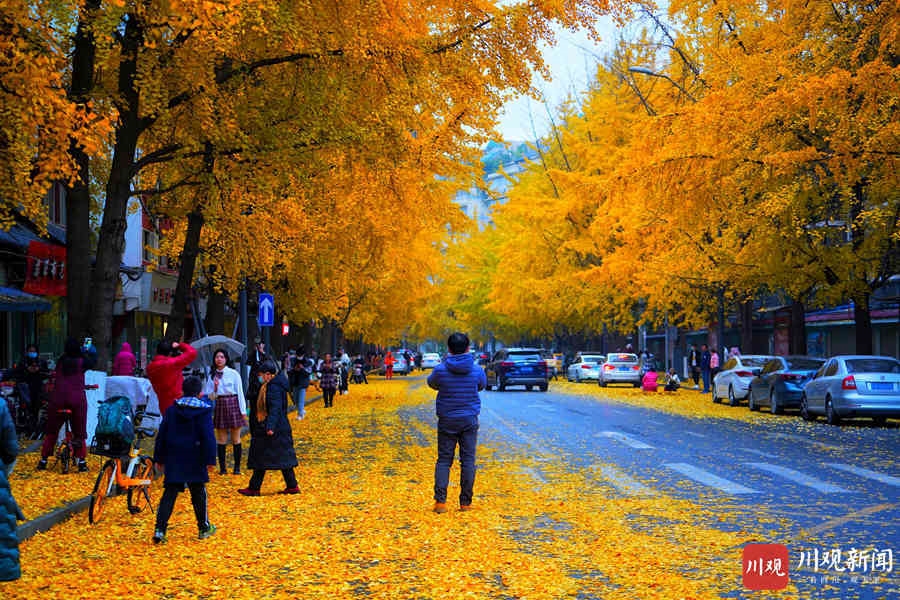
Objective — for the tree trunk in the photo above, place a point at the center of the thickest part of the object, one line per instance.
(746, 315)
(188, 262)
(797, 331)
(78, 195)
(215, 313)
(863, 319)
(111, 242)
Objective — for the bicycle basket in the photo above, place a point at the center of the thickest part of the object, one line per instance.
(110, 446)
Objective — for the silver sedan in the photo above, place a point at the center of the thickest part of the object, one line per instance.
(853, 386)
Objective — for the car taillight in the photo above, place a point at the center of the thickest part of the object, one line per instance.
(744, 373)
(636, 368)
(507, 363)
(608, 367)
(790, 377)
(586, 367)
(848, 383)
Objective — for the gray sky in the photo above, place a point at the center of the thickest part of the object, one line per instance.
(572, 64)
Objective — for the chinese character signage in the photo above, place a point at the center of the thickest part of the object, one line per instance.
(45, 269)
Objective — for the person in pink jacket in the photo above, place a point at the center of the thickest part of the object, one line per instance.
(125, 362)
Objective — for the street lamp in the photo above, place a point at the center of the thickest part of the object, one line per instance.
(652, 73)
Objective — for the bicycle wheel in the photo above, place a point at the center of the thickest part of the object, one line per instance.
(106, 480)
(64, 456)
(139, 497)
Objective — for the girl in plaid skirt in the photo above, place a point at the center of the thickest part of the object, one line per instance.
(224, 387)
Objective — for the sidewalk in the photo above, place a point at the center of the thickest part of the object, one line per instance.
(362, 526)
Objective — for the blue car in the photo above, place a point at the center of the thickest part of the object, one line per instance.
(779, 384)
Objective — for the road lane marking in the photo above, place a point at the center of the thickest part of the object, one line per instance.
(535, 474)
(888, 479)
(759, 452)
(695, 434)
(622, 482)
(654, 421)
(800, 438)
(625, 439)
(707, 478)
(848, 518)
(542, 406)
(798, 477)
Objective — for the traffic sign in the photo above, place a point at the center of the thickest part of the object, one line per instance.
(266, 316)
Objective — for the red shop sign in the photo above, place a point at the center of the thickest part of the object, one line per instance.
(45, 272)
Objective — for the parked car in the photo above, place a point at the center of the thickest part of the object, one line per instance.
(621, 367)
(430, 360)
(780, 383)
(517, 366)
(733, 381)
(586, 366)
(853, 386)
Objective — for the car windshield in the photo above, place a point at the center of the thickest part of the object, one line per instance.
(805, 364)
(524, 356)
(751, 361)
(592, 359)
(872, 365)
(430, 355)
(623, 358)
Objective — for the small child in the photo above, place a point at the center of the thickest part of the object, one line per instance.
(186, 450)
(672, 381)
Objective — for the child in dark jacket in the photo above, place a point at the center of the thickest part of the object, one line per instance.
(186, 451)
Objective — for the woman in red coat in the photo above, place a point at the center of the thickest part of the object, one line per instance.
(125, 362)
(389, 365)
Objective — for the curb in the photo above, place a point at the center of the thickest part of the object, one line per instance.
(56, 516)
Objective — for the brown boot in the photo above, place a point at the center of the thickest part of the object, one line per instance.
(440, 507)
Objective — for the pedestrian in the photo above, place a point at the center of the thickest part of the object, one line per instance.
(255, 357)
(705, 357)
(457, 380)
(672, 381)
(298, 377)
(271, 442)
(30, 375)
(409, 362)
(359, 370)
(125, 362)
(223, 386)
(389, 365)
(694, 365)
(10, 566)
(68, 394)
(164, 371)
(713, 364)
(328, 380)
(343, 379)
(186, 451)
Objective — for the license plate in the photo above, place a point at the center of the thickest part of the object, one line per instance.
(624, 368)
(881, 386)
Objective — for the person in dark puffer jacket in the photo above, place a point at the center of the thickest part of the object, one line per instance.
(10, 569)
(458, 380)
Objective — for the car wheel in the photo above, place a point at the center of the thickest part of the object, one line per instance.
(830, 415)
(543, 387)
(501, 387)
(601, 382)
(715, 395)
(804, 410)
(751, 403)
(527, 388)
(732, 401)
(774, 404)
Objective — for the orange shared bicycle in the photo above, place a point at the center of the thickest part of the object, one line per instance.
(135, 479)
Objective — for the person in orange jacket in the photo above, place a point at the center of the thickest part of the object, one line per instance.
(164, 371)
(389, 365)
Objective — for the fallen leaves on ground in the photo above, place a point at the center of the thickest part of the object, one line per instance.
(363, 527)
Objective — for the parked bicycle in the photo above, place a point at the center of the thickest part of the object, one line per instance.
(135, 478)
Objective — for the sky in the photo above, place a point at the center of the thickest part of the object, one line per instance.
(572, 64)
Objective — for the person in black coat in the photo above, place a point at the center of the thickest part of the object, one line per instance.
(10, 568)
(271, 441)
(186, 450)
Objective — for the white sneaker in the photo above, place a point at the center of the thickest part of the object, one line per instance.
(696, 387)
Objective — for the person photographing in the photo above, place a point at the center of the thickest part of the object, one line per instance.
(457, 380)
(164, 371)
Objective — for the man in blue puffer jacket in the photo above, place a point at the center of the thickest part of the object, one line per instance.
(9, 511)
(458, 380)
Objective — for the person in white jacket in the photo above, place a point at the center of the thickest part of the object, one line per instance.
(224, 387)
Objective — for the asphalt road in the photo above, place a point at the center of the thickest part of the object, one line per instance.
(817, 489)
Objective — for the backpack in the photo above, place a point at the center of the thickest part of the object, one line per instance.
(115, 426)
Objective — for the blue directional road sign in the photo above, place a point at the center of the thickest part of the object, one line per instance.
(266, 316)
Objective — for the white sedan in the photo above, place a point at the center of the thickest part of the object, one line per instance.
(586, 366)
(733, 381)
(430, 360)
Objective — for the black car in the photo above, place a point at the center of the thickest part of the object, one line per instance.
(780, 383)
(517, 366)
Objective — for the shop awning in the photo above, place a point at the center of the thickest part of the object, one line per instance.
(14, 300)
